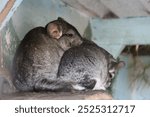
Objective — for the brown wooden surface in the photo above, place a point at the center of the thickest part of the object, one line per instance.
(6, 10)
(81, 95)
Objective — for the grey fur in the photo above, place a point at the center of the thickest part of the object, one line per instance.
(37, 58)
(38, 66)
(87, 67)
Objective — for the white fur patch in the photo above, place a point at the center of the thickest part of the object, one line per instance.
(98, 85)
(111, 70)
(78, 87)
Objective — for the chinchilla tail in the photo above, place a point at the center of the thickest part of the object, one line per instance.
(52, 85)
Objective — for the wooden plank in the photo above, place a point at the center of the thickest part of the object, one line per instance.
(6, 10)
(88, 7)
(95, 6)
(126, 8)
(122, 31)
(78, 95)
(119, 32)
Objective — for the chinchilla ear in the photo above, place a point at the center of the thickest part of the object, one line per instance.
(120, 64)
(60, 18)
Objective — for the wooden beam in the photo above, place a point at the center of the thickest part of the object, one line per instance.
(114, 34)
(91, 8)
(78, 95)
(3, 4)
(95, 6)
(126, 8)
(6, 10)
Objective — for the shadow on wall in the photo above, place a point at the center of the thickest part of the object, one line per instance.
(9, 43)
(133, 82)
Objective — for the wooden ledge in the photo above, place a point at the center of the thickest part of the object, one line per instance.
(81, 95)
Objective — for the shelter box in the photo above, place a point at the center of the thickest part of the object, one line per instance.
(95, 20)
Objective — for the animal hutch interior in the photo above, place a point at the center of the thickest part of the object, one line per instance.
(122, 27)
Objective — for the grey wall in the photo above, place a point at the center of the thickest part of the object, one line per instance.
(133, 81)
